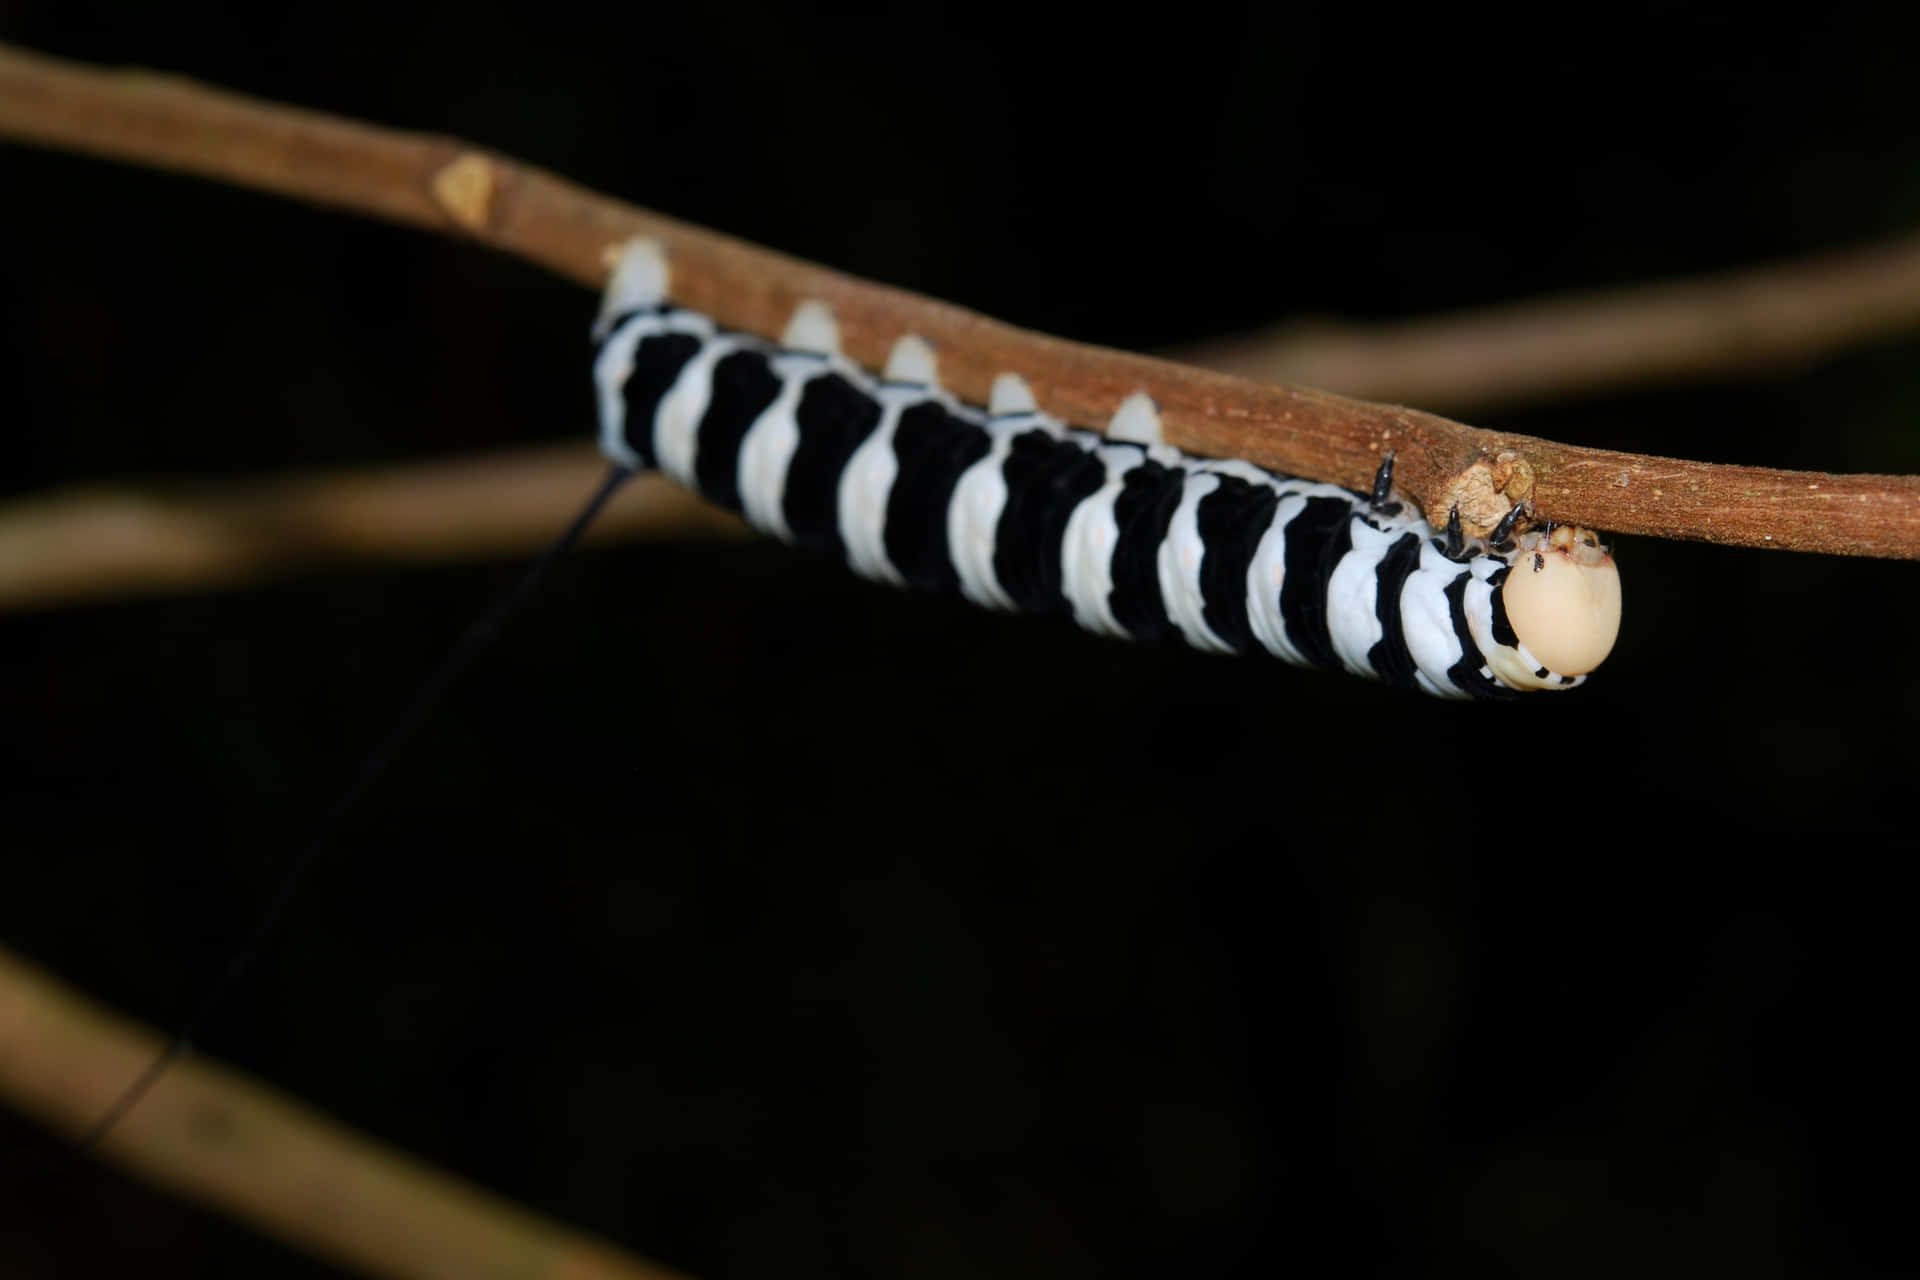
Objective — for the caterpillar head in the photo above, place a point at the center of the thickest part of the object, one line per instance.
(1562, 599)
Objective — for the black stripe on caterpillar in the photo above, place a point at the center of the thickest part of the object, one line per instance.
(1121, 532)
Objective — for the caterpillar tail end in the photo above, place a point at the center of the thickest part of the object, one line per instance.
(638, 284)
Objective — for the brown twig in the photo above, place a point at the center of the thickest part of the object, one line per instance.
(1774, 317)
(450, 187)
(211, 1135)
(95, 543)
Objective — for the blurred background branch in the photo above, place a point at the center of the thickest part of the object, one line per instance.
(98, 543)
(211, 1135)
(1764, 320)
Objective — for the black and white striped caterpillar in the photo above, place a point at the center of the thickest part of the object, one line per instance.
(1123, 533)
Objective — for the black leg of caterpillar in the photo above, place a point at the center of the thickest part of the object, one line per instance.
(1502, 537)
(1456, 544)
(1383, 488)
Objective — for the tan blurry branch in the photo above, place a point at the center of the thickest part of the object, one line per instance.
(214, 1136)
(1783, 316)
(450, 187)
(97, 543)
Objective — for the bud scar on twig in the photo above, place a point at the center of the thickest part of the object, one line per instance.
(1487, 491)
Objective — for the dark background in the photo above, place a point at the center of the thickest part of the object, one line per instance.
(772, 923)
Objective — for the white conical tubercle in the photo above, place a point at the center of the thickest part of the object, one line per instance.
(812, 328)
(639, 281)
(1137, 419)
(1010, 394)
(911, 361)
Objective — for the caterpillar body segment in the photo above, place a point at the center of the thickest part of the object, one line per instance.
(1119, 532)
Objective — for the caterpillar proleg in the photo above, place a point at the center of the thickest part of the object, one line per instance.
(1120, 532)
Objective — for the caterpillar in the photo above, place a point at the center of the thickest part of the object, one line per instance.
(1121, 532)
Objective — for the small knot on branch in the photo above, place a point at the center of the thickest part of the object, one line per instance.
(464, 188)
(1486, 491)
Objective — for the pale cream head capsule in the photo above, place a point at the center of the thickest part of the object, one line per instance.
(1563, 599)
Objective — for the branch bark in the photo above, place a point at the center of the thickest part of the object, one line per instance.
(447, 186)
(211, 1135)
(99, 543)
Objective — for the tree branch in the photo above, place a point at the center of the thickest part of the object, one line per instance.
(1769, 317)
(210, 1135)
(447, 186)
(96, 543)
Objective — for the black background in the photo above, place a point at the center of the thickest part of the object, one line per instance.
(772, 923)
